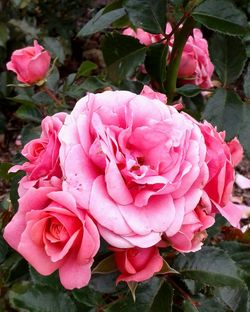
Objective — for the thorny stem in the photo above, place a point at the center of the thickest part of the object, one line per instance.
(183, 293)
(51, 95)
(180, 40)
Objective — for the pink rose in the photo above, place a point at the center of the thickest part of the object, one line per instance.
(137, 164)
(151, 94)
(221, 158)
(137, 264)
(31, 64)
(144, 37)
(43, 153)
(51, 233)
(195, 66)
(192, 232)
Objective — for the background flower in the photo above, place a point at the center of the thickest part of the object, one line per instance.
(31, 64)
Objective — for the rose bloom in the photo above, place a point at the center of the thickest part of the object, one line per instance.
(221, 159)
(143, 36)
(137, 164)
(51, 233)
(193, 231)
(195, 66)
(31, 64)
(137, 264)
(42, 153)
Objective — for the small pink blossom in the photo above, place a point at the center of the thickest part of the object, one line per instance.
(31, 64)
(137, 264)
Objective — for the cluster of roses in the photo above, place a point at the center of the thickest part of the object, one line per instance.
(126, 167)
(195, 66)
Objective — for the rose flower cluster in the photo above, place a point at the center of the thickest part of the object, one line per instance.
(195, 66)
(127, 168)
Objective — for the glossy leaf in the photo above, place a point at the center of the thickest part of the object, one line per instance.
(107, 265)
(188, 90)
(40, 299)
(244, 132)
(4, 34)
(85, 69)
(222, 16)
(122, 55)
(211, 266)
(87, 296)
(225, 110)
(229, 62)
(29, 113)
(146, 298)
(155, 62)
(101, 21)
(147, 14)
(235, 298)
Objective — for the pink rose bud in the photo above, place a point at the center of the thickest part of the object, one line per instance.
(137, 264)
(31, 64)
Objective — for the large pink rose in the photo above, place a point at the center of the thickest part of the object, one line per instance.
(195, 66)
(51, 233)
(136, 163)
(43, 153)
(143, 36)
(137, 264)
(31, 64)
(221, 158)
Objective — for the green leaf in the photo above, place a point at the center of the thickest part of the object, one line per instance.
(146, 294)
(101, 21)
(25, 27)
(247, 82)
(40, 299)
(147, 14)
(53, 79)
(122, 55)
(235, 298)
(244, 132)
(225, 110)
(85, 69)
(50, 280)
(189, 307)
(29, 113)
(188, 90)
(88, 296)
(206, 304)
(4, 34)
(3, 249)
(163, 301)
(104, 283)
(55, 47)
(29, 133)
(239, 252)
(4, 168)
(107, 265)
(229, 62)
(221, 16)
(22, 99)
(155, 62)
(210, 266)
